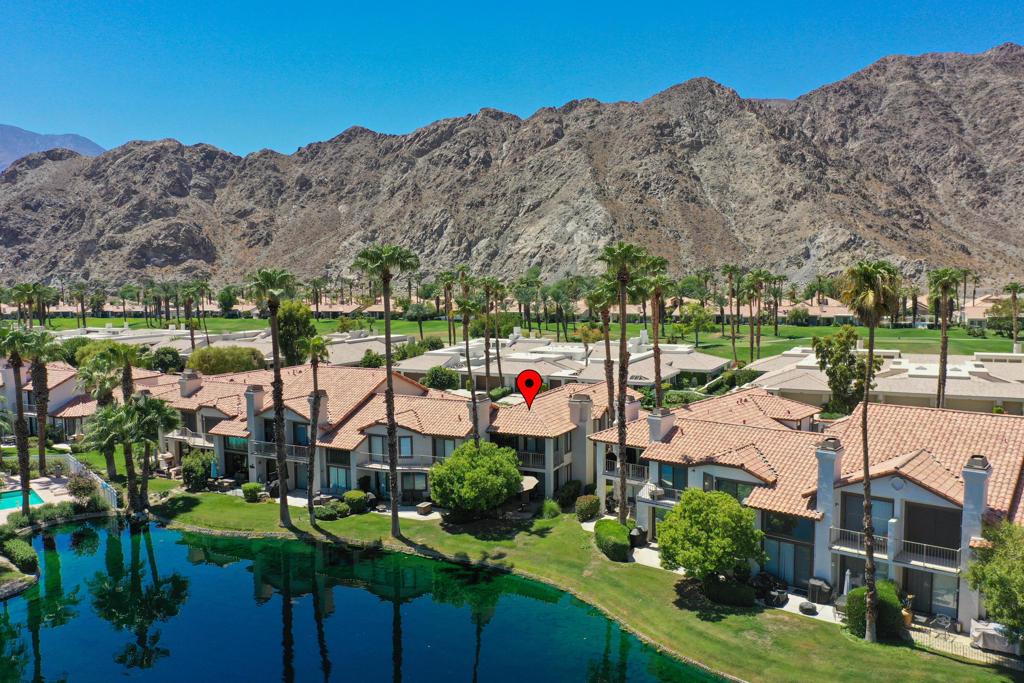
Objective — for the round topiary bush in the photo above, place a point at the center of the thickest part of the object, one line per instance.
(612, 539)
(251, 491)
(340, 508)
(890, 617)
(325, 512)
(587, 507)
(357, 501)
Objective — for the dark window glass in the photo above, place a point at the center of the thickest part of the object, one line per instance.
(336, 456)
(789, 526)
(737, 489)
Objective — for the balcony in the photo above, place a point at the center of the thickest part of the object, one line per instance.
(660, 494)
(531, 461)
(416, 461)
(635, 472)
(900, 551)
(192, 438)
(268, 449)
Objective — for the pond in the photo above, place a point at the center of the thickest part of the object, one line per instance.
(161, 605)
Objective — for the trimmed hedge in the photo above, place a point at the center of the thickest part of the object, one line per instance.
(587, 507)
(340, 508)
(729, 592)
(251, 491)
(612, 539)
(325, 512)
(568, 493)
(22, 555)
(357, 501)
(550, 509)
(889, 625)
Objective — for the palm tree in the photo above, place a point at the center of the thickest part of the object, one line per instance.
(13, 344)
(382, 262)
(315, 348)
(41, 349)
(943, 283)
(1014, 289)
(99, 377)
(150, 418)
(316, 288)
(600, 298)
(732, 274)
(125, 293)
(446, 279)
(871, 290)
(109, 427)
(748, 294)
(79, 292)
(468, 307)
(268, 287)
(622, 260)
(659, 283)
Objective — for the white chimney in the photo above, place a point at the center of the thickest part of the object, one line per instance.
(253, 405)
(830, 459)
(632, 409)
(659, 424)
(975, 474)
(189, 383)
(581, 406)
(320, 420)
(483, 412)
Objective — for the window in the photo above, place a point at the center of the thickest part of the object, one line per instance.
(405, 446)
(236, 443)
(268, 430)
(708, 482)
(443, 447)
(737, 489)
(533, 445)
(378, 445)
(414, 486)
(671, 477)
(338, 457)
(790, 562)
(210, 422)
(188, 419)
(788, 526)
(852, 516)
(337, 478)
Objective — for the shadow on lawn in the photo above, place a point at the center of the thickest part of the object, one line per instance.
(173, 507)
(690, 596)
(495, 529)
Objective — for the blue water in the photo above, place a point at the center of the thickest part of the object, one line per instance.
(160, 605)
(12, 499)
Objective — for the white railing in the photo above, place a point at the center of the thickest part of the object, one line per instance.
(268, 449)
(912, 552)
(193, 438)
(73, 465)
(848, 539)
(634, 471)
(534, 461)
(416, 459)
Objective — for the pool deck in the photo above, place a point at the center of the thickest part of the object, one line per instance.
(51, 489)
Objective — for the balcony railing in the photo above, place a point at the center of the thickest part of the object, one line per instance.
(192, 438)
(268, 449)
(414, 460)
(634, 471)
(912, 552)
(658, 493)
(848, 539)
(534, 461)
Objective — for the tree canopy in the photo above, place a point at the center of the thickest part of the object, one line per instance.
(217, 360)
(439, 377)
(294, 323)
(844, 367)
(475, 478)
(998, 572)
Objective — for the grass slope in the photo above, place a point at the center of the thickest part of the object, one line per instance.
(756, 645)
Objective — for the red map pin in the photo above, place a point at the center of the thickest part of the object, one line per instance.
(528, 382)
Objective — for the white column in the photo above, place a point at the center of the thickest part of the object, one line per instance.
(599, 462)
(318, 457)
(894, 542)
(549, 468)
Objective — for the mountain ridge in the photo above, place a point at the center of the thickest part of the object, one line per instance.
(17, 142)
(918, 159)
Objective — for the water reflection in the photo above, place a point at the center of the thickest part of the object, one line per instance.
(145, 603)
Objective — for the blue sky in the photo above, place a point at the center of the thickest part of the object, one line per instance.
(245, 76)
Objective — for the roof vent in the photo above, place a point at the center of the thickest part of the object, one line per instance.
(977, 462)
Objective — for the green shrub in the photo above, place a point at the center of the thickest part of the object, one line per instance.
(729, 592)
(498, 393)
(590, 490)
(474, 480)
(81, 487)
(195, 470)
(19, 520)
(22, 555)
(363, 483)
(439, 377)
(325, 512)
(612, 539)
(341, 509)
(587, 507)
(77, 448)
(890, 618)
(251, 491)
(95, 503)
(217, 360)
(357, 501)
(51, 512)
(568, 493)
(6, 532)
(550, 509)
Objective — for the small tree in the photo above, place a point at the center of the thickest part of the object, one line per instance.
(195, 470)
(295, 323)
(798, 316)
(227, 299)
(81, 488)
(475, 479)
(709, 533)
(998, 572)
(696, 319)
(844, 367)
(439, 377)
(167, 359)
(371, 359)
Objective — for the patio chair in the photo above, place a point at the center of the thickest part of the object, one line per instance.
(943, 625)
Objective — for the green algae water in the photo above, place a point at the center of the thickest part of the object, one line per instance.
(161, 605)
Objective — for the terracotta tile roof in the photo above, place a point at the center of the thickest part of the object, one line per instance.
(56, 374)
(919, 466)
(549, 416)
(84, 405)
(235, 427)
(940, 442)
(435, 414)
(755, 407)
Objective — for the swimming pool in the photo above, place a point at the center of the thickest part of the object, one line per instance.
(12, 499)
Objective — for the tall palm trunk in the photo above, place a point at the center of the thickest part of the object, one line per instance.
(487, 343)
(127, 391)
(277, 390)
(314, 421)
(869, 529)
(609, 366)
(20, 431)
(1016, 317)
(42, 395)
(623, 377)
(759, 301)
(188, 321)
(943, 347)
(497, 348)
(147, 454)
(659, 391)
(389, 407)
(750, 324)
(733, 303)
(472, 386)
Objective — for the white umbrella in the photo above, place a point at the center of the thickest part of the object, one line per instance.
(846, 583)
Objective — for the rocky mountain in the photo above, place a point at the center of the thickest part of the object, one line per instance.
(918, 159)
(17, 142)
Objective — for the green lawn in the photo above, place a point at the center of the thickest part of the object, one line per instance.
(757, 645)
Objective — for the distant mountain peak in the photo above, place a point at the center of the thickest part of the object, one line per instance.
(17, 142)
